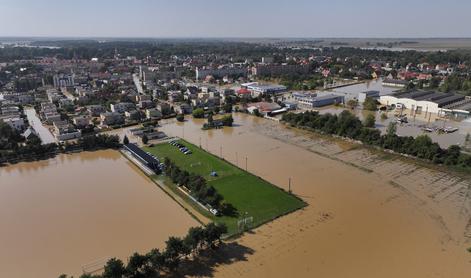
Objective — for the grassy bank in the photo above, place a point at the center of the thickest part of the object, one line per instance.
(249, 194)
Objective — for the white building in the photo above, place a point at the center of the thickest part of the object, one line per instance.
(81, 121)
(16, 123)
(121, 107)
(423, 102)
(63, 80)
(258, 89)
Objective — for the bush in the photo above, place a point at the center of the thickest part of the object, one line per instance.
(145, 139)
(227, 120)
(198, 113)
(370, 104)
(180, 117)
(370, 120)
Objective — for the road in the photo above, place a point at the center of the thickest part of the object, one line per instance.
(138, 84)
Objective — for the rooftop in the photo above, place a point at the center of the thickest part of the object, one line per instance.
(442, 99)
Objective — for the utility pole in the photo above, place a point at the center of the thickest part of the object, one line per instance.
(289, 184)
(200, 142)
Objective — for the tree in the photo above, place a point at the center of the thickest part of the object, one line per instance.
(194, 238)
(156, 259)
(257, 113)
(145, 139)
(114, 268)
(370, 104)
(392, 129)
(198, 113)
(174, 249)
(228, 107)
(136, 265)
(227, 120)
(213, 233)
(125, 140)
(452, 155)
(370, 121)
(410, 86)
(210, 119)
(180, 117)
(352, 103)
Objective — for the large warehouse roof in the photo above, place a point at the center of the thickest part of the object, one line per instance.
(442, 99)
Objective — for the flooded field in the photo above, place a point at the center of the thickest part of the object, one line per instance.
(368, 216)
(61, 214)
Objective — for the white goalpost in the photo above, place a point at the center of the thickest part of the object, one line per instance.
(245, 224)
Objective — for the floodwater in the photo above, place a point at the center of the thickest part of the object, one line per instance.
(74, 210)
(43, 133)
(353, 91)
(356, 225)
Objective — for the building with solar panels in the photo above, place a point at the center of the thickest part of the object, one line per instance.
(426, 102)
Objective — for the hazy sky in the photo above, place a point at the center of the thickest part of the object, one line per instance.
(236, 18)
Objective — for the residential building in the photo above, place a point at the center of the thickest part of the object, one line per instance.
(153, 114)
(15, 122)
(95, 110)
(122, 107)
(81, 121)
(63, 80)
(111, 118)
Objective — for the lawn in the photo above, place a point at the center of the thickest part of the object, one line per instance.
(249, 194)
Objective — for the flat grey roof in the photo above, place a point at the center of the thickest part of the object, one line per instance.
(327, 97)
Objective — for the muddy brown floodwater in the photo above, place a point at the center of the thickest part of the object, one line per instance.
(73, 210)
(359, 222)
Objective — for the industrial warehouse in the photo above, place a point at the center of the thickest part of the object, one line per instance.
(311, 100)
(429, 102)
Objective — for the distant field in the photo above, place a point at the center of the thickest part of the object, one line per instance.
(251, 195)
(427, 44)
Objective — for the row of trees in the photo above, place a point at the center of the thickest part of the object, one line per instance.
(226, 120)
(14, 146)
(157, 262)
(198, 187)
(348, 125)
